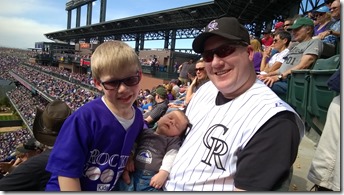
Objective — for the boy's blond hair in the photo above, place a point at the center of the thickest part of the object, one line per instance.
(113, 57)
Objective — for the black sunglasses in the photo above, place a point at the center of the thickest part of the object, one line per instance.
(129, 81)
(318, 14)
(199, 69)
(222, 51)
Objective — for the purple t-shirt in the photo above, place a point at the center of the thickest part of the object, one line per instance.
(92, 146)
(317, 31)
(257, 59)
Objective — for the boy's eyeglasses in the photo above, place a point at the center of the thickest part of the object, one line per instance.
(199, 69)
(129, 81)
(222, 51)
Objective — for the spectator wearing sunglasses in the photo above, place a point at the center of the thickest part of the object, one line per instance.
(155, 151)
(95, 141)
(287, 23)
(331, 36)
(301, 56)
(243, 136)
(274, 62)
(198, 81)
(323, 19)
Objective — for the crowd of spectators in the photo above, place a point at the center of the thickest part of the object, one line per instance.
(9, 57)
(62, 84)
(51, 81)
(74, 95)
(26, 102)
(9, 141)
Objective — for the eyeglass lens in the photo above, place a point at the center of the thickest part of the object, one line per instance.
(222, 51)
(129, 81)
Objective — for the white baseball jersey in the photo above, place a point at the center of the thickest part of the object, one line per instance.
(207, 159)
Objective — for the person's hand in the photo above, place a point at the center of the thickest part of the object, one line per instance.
(126, 177)
(18, 161)
(262, 76)
(130, 166)
(194, 81)
(269, 81)
(267, 52)
(323, 34)
(6, 166)
(159, 179)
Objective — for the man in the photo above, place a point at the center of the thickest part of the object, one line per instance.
(183, 72)
(24, 151)
(31, 174)
(332, 35)
(159, 108)
(243, 136)
(302, 56)
(267, 38)
(279, 26)
(287, 23)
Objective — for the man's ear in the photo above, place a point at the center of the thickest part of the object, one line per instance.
(250, 52)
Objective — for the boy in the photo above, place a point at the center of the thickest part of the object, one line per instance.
(94, 143)
(155, 152)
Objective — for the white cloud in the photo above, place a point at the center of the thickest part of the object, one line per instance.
(23, 33)
(22, 7)
(24, 22)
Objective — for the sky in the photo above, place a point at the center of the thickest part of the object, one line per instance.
(24, 22)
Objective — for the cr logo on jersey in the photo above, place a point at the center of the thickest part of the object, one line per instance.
(216, 146)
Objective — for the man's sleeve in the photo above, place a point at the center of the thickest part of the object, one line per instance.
(265, 161)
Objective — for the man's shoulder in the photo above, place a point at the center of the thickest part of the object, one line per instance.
(312, 44)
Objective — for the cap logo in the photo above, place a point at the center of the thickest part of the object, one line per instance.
(212, 26)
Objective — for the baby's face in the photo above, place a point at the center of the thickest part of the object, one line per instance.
(172, 124)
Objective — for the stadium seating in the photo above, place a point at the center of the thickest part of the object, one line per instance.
(308, 92)
(320, 96)
(296, 95)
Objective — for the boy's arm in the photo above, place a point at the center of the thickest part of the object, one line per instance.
(159, 179)
(69, 184)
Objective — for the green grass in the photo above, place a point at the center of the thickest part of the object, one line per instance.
(9, 118)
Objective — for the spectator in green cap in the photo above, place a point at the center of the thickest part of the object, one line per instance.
(301, 56)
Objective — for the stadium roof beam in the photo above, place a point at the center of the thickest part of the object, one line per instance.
(188, 21)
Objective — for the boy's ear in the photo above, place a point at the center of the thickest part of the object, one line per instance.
(97, 84)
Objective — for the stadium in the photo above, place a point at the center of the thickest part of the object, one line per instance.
(61, 69)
